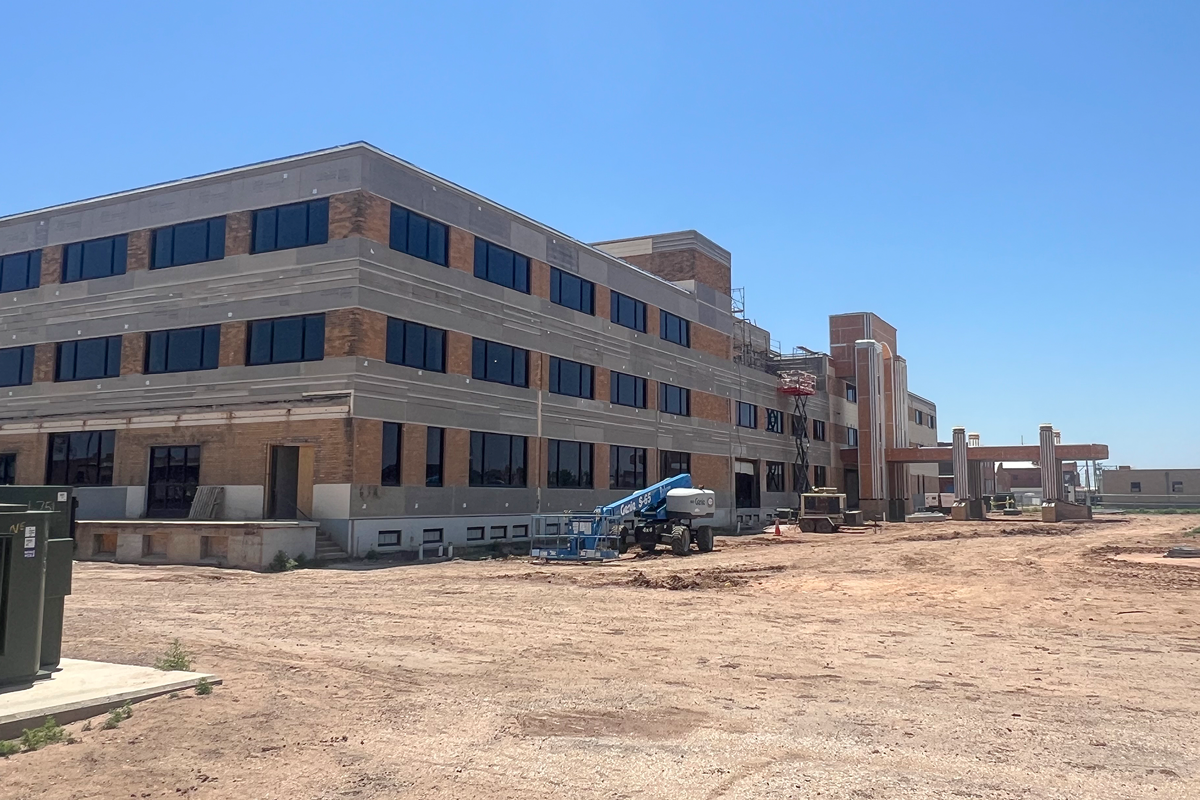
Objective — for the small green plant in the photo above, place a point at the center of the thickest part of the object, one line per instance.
(50, 732)
(301, 561)
(87, 726)
(282, 562)
(117, 716)
(372, 554)
(176, 658)
(203, 687)
(9, 749)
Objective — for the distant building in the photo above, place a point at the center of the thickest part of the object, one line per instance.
(1146, 488)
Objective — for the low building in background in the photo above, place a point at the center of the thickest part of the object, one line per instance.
(1149, 488)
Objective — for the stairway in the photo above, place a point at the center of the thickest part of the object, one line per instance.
(328, 550)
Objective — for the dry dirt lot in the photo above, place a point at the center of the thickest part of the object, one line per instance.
(985, 660)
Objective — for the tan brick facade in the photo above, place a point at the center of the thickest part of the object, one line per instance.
(710, 407)
(686, 265)
(601, 384)
(30, 450)
(133, 353)
(44, 357)
(412, 454)
(360, 214)
(138, 251)
(456, 457)
(707, 340)
(711, 472)
(238, 229)
(233, 344)
(355, 332)
(603, 302)
(458, 353)
(52, 264)
(539, 279)
(462, 250)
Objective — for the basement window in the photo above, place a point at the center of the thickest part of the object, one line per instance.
(431, 536)
(520, 531)
(499, 532)
(388, 539)
(475, 534)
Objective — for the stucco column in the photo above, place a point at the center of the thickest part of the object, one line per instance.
(1051, 482)
(959, 455)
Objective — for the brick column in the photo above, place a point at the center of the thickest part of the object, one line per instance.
(238, 227)
(600, 454)
(233, 344)
(44, 356)
(456, 456)
(138, 251)
(413, 442)
(52, 260)
(539, 279)
(360, 214)
(462, 250)
(458, 353)
(133, 353)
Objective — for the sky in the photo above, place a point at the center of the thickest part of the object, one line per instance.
(1012, 185)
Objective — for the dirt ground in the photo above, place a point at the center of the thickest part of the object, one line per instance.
(1004, 659)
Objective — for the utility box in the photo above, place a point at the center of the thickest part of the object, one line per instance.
(36, 550)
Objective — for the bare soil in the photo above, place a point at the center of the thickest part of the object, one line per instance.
(1004, 659)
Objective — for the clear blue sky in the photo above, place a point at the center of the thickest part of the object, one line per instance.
(1013, 185)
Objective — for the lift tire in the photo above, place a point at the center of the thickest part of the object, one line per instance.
(825, 525)
(622, 543)
(704, 539)
(808, 525)
(649, 547)
(681, 543)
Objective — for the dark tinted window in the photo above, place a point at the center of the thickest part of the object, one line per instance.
(570, 378)
(89, 358)
(851, 392)
(747, 415)
(674, 329)
(81, 459)
(8, 469)
(775, 479)
(98, 258)
(818, 430)
(627, 390)
(297, 225)
(20, 271)
(674, 400)
(288, 339)
(675, 463)
(16, 366)
(774, 420)
(570, 465)
(174, 476)
(183, 350)
(627, 467)
(501, 265)
(390, 473)
(434, 439)
(413, 234)
(415, 345)
(852, 437)
(189, 243)
(572, 291)
(819, 476)
(628, 312)
(499, 363)
(497, 459)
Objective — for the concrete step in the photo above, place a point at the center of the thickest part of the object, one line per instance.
(328, 549)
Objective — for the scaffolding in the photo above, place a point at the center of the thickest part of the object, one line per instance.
(799, 385)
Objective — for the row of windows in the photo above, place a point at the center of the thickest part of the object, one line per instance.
(86, 459)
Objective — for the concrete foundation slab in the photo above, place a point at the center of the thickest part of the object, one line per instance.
(925, 516)
(84, 689)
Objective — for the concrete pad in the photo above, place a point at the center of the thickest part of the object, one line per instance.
(82, 689)
(926, 516)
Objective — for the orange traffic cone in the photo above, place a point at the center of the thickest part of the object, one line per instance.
(777, 531)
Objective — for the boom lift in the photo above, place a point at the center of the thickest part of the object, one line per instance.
(661, 514)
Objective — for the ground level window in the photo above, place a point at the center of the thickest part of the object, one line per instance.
(499, 532)
(775, 476)
(675, 463)
(627, 467)
(520, 531)
(174, 475)
(8, 469)
(81, 459)
(819, 478)
(475, 534)
(388, 539)
(431, 536)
